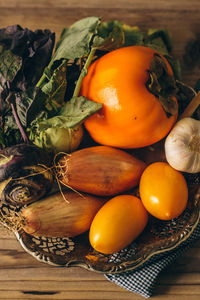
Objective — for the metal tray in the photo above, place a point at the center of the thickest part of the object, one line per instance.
(159, 237)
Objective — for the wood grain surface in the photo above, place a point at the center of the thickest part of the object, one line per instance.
(23, 277)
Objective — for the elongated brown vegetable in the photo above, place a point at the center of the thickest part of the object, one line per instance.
(58, 216)
(100, 170)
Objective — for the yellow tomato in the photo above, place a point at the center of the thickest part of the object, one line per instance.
(118, 222)
(163, 191)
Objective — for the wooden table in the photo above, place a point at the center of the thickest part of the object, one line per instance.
(23, 277)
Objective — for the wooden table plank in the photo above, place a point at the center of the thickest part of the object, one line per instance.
(181, 18)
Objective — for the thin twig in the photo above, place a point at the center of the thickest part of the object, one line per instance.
(191, 108)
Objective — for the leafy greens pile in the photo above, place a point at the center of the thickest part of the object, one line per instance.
(40, 81)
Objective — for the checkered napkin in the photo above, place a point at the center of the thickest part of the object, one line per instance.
(143, 280)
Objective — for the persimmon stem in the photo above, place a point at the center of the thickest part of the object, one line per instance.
(84, 72)
(192, 106)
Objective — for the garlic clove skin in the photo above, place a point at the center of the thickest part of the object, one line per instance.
(182, 146)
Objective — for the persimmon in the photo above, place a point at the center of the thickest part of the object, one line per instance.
(132, 116)
(163, 191)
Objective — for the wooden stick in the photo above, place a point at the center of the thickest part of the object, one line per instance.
(192, 106)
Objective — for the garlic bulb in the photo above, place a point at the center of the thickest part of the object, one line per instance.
(182, 146)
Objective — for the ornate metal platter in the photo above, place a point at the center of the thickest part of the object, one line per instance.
(159, 237)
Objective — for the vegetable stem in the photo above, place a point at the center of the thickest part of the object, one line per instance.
(40, 82)
(84, 72)
(192, 106)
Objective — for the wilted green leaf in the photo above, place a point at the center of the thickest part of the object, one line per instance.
(10, 134)
(23, 56)
(109, 36)
(74, 112)
(54, 86)
(63, 132)
(28, 104)
(10, 64)
(160, 40)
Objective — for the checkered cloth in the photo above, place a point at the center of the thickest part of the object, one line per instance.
(143, 280)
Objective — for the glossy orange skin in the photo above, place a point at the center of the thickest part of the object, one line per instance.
(131, 116)
(118, 222)
(163, 191)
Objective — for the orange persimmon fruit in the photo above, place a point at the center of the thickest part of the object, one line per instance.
(131, 116)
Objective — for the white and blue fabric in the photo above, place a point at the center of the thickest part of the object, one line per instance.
(143, 280)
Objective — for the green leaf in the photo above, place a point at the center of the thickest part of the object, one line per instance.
(109, 36)
(175, 65)
(54, 86)
(160, 40)
(10, 64)
(45, 132)
(132, 35)
(10, 134)
(10, 123)
(73, 113)
(2, 139)
(75, 41)
(28, 104)
(78, 109)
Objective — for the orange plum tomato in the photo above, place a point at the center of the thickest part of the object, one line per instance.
(163, 191)
(118, 222)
